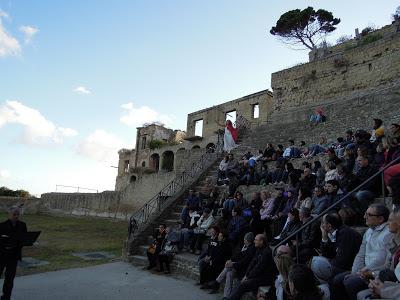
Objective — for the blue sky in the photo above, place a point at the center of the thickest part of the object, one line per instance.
(78, 77)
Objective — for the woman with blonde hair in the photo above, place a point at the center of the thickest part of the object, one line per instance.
(283, 260)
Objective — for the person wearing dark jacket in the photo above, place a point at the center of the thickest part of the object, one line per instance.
(155, 248)
(370, 189)
(303, 284)
(236, 225)
(261, 270)
(340, 243)
(291, 226)
(213, 263)
(236, 266)
(12, 233)
(310, 236)
(308, 180)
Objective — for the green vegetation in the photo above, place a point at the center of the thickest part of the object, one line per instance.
(62, 236)
(365, 40)
(155, 144)
(4, 191)
(305, 27)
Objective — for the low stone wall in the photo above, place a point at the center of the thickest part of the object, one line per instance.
(30, 205)
(106, 204)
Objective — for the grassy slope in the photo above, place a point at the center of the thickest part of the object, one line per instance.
(62, 236)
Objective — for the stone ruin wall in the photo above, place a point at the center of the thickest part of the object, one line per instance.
(243, 106)
(343, 74)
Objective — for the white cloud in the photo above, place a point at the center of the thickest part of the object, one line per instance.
(4, 174)
(9, 45)
(29, 32)
(82, 90)
(101, 146)
(136, 117)
(37, 129)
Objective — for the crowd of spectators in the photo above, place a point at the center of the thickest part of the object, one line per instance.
(328, 259)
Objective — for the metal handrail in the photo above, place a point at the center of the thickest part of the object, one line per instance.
(348, 195)
(159, 201)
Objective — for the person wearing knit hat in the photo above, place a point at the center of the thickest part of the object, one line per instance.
(235, 267)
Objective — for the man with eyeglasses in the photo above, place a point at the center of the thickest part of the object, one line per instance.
(373, 256)
(12, 233)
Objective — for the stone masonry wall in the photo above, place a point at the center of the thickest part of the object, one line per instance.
(363, 67)
(30, 205)
(106, 204)
(243, 106)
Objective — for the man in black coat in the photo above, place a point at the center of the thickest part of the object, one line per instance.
(261, 270)
(310, 236)
(12, 233)
(370, 189)
(340, 243)
(235, 267)
(213, 263)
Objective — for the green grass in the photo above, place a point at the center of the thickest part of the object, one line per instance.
(61, 236)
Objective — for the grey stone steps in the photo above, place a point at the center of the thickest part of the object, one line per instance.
(138, 260)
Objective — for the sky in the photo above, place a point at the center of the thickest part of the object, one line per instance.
(77, 77)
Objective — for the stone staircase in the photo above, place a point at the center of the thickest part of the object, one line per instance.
(183, 263)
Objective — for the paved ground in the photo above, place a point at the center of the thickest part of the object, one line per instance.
(117, 280)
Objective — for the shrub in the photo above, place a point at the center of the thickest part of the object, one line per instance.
(370, 38)
(154, 144)
(344, 39)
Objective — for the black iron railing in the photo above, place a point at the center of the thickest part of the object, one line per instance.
(295, 235)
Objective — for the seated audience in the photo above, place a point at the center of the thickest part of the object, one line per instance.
(319, 172)
(223, 166)
(319, 201)
(236, 266)
(256, 201)
(193, 202)
(269, 153)
(370, 189)
(236, 225)
(393, 142)
(292, 224)
(340, 243)
(283, 260)
(200, 232)
(187, 229)
(155, 248)
(204, 258)
(251, 177)
(168, 250)
(303, 284)
(213, 262)
(331, 172)
(318, 148)
(373, 255)
(304, 198)
(308, 180)
(387, 283)
(310, 237)
(378, 132)
(322, 270)
(260, 271)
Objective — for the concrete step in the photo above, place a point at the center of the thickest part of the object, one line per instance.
(138, 260)
(184, 264)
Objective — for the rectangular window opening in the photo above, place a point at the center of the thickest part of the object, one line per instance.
(231, 115)
(198, 128)
(256, 111)
(143, 142)
(126, 166)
